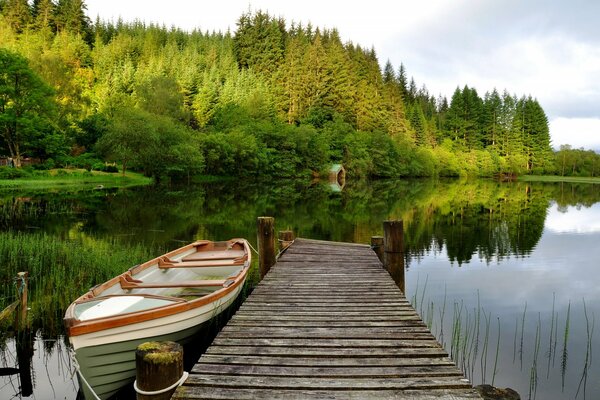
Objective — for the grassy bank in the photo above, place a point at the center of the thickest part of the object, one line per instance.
(60, 270)
(72, 178)
(554, 178)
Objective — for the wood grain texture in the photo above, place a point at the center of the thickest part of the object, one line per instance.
(327, 322)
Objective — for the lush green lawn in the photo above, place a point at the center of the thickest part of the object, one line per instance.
(553, 178)
(74, 178)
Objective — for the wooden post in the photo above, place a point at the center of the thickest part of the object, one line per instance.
(285, 239)
(21, 315)
(377, 246)
(266, 244)
(158, 365)
(393, 240)
(24, 346)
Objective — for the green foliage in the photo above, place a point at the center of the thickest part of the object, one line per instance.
(13, 173)
(270, 99)
(26, 109)
(157, 145)
(576, 162)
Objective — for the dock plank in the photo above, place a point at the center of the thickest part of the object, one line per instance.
(327, 322)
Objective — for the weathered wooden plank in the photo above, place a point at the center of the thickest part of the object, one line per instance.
(219, 393)
(325, 243)
(323, 361)
(335, 332)
(332, 324)
(415, 340)
(328, 372)
(325, 317)
(316, 383)
(352, 352)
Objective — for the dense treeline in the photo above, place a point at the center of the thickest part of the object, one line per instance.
(270, 99)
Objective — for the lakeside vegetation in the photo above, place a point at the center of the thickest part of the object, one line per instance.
(27, 179)
(272, 98)
(556, 178)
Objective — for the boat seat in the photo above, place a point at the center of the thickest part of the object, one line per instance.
(127, 282)
(215, 255)
(165, 262)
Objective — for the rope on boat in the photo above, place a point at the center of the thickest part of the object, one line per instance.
(81, 377)
(252, 248)
(154, 393)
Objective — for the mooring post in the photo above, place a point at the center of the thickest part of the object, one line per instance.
(377, 246)
(158, 366)
(21, 315)
(285, 239)
(266, 244)
(393, 242)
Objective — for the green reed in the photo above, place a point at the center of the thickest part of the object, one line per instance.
(588, 353)
(533, 372)
(522, 335)
(549, 352)
(564, 355)
(60, 270)
(497, 352)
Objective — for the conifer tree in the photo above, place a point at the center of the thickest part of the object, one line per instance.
(43, 14)
(70, 16)
(17, 14)
(403, 82)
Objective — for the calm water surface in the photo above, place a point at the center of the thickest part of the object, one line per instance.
(494, 268)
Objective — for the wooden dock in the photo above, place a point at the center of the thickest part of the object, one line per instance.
(327, 322)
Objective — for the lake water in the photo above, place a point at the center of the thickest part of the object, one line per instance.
(496, 269)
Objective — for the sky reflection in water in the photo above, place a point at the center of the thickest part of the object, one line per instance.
(562, 268)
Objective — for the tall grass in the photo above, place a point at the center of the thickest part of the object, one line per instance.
(60, 270)
(471, 347)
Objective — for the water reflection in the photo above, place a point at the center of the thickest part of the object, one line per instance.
(484, 244)
(574, 219)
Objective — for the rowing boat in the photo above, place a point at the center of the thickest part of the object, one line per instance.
(171, 297)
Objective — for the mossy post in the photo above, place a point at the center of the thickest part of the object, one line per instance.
(393, 244)
(158, 365)
(21, 315)
(285, 239)
(266, 244)
(377, 246)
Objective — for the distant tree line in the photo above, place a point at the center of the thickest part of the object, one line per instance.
(272, 99)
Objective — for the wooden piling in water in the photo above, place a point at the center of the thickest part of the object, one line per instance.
(377, 246)
(21, 315)
(158, 365)
(286, 238)
(266, 244)
(393, 242)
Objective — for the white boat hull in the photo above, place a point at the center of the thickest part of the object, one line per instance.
(107, 358)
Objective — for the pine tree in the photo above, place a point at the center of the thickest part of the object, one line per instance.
(43, 14)
(70, 16)
(403, 82)
(259, 42)
(17, 14)
(492, 105)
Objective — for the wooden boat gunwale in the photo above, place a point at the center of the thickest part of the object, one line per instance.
(77, 327)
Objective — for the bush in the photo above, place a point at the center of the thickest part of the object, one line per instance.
(13, 173)
(111, 168)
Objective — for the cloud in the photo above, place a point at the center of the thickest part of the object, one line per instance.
(578, 132)
(574, 219)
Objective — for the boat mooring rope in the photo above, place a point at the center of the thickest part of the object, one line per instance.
(252, 248)
(154, 393)
(78, 372)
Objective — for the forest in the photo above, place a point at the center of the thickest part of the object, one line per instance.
(270, 99)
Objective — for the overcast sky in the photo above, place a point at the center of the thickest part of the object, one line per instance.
(549, 49)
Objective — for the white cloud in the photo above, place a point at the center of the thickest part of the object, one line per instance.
(578, 132)
(574, 219)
